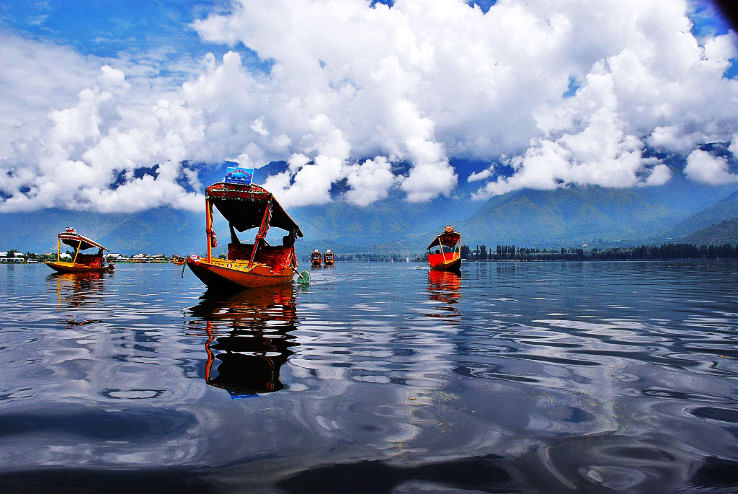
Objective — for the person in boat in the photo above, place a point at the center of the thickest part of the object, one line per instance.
(289, 239)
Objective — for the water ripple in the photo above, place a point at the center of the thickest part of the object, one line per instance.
(534, 377)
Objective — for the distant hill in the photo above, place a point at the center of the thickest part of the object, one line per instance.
(158, 231)
(722, 210)
(36, 231)
(562, 217)
(568, 216)
(162, 230)
(725, 232)
(391, 222)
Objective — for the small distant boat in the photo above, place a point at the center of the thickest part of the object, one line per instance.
(316, 258)
(81, 263)
(178, 260)
(245, 205)
(444, 252)
(328, 258)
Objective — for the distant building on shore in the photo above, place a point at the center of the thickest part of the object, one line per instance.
(14, 258)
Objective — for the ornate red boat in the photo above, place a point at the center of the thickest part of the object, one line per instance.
(246, 206)
(316, 258)
(444, 252)
(81, 263)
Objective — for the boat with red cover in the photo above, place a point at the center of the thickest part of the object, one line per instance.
(81, 263)
(316, 258)
(444, 252)
(246, 206)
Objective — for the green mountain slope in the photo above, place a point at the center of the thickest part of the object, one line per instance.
(722, 210)
(725, 232)
(562, 217)
(568, 216)
(37, 231)
(162, 230)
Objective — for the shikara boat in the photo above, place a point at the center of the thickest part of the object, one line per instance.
(246, 206)
(328, 258)
(444, 252)
(81, 263)
(316, 258)
(178, 260)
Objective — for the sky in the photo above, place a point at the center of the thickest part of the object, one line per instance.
(124, 106)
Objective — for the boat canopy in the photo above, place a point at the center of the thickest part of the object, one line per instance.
(448, 238)
(73, 239)
(244, 206)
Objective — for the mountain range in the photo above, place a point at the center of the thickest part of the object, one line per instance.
(563, 217)
(725, 232)
(722, 210)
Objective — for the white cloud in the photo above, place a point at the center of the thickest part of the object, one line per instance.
(592, 149)
(706, 168)
(352, 89)
(67, 153)
(309, 184)
(371, 181)
(734, 145)
(477, 176)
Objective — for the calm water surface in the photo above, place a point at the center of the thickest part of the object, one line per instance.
(378, 378)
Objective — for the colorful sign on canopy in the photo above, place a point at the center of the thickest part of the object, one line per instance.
(239, 175)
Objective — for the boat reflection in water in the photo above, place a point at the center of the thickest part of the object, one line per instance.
(445, 287)
(248, 338)
(78, 289)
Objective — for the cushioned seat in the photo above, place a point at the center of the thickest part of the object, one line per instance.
(278, 257)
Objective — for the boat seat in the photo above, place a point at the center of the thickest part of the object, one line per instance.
(278, 257)
(240, 251)
(92, 260)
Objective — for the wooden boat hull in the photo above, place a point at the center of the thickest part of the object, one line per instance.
(69, 267)
(452, 262)
(225, 274)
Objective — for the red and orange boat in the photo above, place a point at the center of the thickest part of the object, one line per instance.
(444, 252)
(328, 258)
(81, 263)
(246, 206)
(316, 258)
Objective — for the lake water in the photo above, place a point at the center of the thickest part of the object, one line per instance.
(378, 378)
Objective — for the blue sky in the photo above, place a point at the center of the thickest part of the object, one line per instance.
(110, 29)
(107, 28)
(98, 90)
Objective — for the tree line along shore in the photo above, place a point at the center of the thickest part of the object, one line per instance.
(640, 253)
(478, 253)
